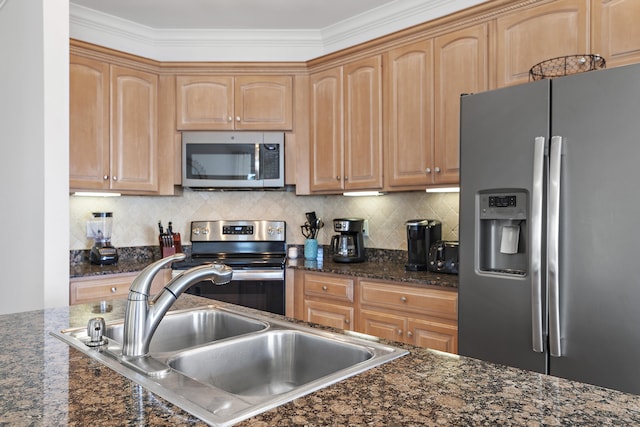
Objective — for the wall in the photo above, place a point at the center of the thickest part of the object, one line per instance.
(136, 218)
(34, 150)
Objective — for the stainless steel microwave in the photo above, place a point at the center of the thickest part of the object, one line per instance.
(232, 159)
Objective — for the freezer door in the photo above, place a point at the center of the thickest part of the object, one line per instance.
(598, 116)
(497, 138)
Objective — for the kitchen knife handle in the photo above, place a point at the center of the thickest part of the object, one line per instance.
(536, 244)
(553, 236)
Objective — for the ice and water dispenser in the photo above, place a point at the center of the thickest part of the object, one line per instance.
(503, 231)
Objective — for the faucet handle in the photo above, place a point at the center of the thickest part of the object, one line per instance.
(141, 285)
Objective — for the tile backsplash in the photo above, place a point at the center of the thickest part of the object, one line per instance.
(135, 218)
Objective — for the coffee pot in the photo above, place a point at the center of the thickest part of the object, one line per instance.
(348, 246)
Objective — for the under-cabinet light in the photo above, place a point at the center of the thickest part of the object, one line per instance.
(95, 194)
(444, 190)
(362, 193)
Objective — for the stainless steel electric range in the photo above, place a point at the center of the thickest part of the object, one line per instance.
(255, 250)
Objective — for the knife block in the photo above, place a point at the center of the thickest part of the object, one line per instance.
(169, 244)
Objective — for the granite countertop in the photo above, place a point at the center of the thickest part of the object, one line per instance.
(391, 270)
(381, 264)
(45, 382)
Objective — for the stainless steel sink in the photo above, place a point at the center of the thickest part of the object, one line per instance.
(269, 364)
(186, 329)
(225, 366)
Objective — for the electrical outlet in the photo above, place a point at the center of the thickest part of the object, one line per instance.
(365, 228)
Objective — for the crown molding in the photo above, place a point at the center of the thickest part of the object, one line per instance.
(256, 45)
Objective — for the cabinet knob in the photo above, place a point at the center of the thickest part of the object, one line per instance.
(338, 178)
(437, 169)
(115, 178)
(427, 170)
(237, 118)
(409, 334)
(114, 290)
(403, 299)
(399, 331)
(346, 178)
(324, 287)
(106, 177)
(230, 119)
(346, 321)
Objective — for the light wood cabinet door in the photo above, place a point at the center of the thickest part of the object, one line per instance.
(134, 141)
(88, 123)
(326, 131)
(383, 325)
(204, 102)
(240, 103)
(432, 334)
(363, 124)
(328, 314)
(615, 33)
(409, 116)
(264, 102)
(528, 36)
(461, 66)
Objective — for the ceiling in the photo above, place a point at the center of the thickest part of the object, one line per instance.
(246, 30)
(234, 14)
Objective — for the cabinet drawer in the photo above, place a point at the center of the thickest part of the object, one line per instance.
(430, 302)
(96, 289)
(324, 286)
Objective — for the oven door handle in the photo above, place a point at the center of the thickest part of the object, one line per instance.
(257, 274)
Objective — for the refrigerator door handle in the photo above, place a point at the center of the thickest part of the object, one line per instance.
(536, 244)
(555, 158)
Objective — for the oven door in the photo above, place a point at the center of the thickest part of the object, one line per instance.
(255, 288)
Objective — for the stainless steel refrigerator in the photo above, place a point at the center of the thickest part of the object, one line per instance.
(550, 227)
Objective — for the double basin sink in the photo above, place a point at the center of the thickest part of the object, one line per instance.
(224, 366)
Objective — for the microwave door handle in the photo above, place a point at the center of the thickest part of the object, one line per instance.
(257, 162)
(536, 244)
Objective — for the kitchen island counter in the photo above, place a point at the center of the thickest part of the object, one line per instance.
(45, 382)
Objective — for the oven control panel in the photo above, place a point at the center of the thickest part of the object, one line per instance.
(237, 230)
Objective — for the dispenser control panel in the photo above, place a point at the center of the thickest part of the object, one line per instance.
(512, 205)
(503, 201)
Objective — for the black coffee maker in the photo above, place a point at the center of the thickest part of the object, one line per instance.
(348, 246)
(421, 234)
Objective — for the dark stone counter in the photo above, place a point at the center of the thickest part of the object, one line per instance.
(44, 382)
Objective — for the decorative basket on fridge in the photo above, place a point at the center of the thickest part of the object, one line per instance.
(566, 65)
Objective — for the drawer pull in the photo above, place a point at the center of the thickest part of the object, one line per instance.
(399, 331)
(324, 288)
(346, 321)
(403, 299)
(409, 334)
(114, 290)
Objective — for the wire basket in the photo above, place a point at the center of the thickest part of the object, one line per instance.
(566, 65)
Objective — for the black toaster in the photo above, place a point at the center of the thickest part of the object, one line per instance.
(443, 257)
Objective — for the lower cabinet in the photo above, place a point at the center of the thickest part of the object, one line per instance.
(328, 300)
(112, 286)
(424, 317)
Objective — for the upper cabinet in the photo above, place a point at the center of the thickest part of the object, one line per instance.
(424, 81)
(346, 127)
(461, 66)
(211, 102)
(615, 33)
(409, 130)
(527, 36)
(113, 117)
(88, 124)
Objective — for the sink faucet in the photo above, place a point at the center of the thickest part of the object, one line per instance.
(143, 316)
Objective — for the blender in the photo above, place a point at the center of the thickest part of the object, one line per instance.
(99, 229)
